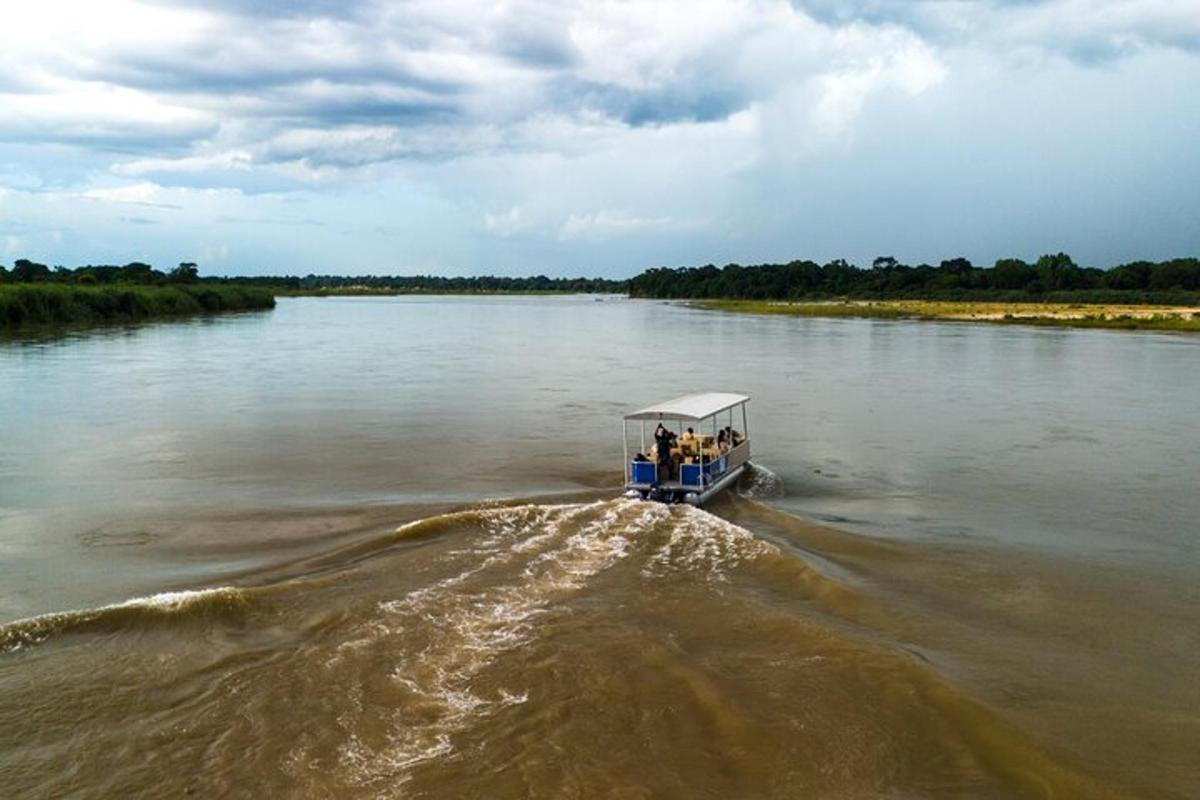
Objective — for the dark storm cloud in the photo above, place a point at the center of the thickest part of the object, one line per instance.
(683, 103)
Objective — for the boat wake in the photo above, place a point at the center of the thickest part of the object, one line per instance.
(619, 647)
(519, 565)
(167, 606)
(760, 483)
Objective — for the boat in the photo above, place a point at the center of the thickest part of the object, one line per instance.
(699, 466)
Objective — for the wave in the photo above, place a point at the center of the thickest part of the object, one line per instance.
(514, 566)
(24, 633)
(700, 542)
(407, 686)
(467, 620)
(760, 483)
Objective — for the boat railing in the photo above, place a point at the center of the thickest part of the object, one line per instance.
(645, 472)
(737, 455)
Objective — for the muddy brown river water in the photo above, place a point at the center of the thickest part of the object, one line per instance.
(372, 547)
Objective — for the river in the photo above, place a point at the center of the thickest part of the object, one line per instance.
(372, 547)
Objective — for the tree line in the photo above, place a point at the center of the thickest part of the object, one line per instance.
(26, 271)
(1051, 277)
(135, 272)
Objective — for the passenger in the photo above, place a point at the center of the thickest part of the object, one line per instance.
(722, 441)
(733, 437)
(688, 438)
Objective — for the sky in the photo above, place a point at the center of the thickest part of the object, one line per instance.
(595, 137)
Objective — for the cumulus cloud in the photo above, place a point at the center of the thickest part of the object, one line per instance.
(506, 223)
(343, 84)
(537, 118)
(1088, 30)
(234, 87)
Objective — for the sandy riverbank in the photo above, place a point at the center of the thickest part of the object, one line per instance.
(1131, 317)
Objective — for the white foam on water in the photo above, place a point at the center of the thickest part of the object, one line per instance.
(759, 483)
(30, 631)
(704, 543)
(176, 601)
(463, 630)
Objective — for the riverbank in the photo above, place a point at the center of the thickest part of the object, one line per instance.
(52, 304)
(1073, 315)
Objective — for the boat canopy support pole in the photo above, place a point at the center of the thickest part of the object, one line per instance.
(715, 441)
(626, 470)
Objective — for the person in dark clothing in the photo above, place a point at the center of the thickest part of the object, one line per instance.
(662, 449)
(733, 437)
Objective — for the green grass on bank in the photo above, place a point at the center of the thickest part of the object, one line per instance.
(25, 304)
(1076, 315)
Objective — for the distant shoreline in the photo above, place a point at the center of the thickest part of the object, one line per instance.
(1064, 315)
(31, 306)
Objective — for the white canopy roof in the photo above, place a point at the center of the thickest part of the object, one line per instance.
(693, 407)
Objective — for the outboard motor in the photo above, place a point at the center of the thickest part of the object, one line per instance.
(661, 495)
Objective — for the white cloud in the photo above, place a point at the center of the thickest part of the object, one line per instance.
(1088, 29)
(191, 90)
(141, 194)
(907, 65)
(227, 160)
(602, 225)
(506, 223)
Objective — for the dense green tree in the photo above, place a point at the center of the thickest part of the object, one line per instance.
(26, 271)
(186, 272)
(957, 266)
(1052, 277)
(137, 272)
(1180, 274)
(1012, 273)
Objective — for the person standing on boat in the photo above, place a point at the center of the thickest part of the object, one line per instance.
(662, 452)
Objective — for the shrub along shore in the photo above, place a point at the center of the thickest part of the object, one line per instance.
(25, 304)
